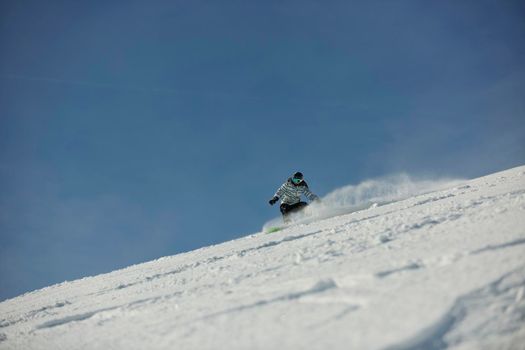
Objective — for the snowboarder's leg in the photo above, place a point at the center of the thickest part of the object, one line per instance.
(287, 209)
(298, 206)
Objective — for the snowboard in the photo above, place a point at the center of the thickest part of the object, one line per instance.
(273, 229)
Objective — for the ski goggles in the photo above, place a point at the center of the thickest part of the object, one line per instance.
(296, 180)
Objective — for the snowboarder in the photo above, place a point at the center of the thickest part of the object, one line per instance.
(290, 194)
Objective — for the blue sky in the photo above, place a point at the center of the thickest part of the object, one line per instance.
(131, 130)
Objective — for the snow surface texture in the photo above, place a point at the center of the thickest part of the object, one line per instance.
(441, 270)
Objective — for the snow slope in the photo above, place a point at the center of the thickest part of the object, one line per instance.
(440, 270)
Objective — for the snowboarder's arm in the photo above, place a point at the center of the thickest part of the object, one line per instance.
(308, 194)
(277, 195)
(280, 191)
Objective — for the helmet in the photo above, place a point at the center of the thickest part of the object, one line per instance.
(297, 178)
(298, 175)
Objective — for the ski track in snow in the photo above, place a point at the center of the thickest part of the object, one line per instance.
(469, 307)
(440, 270)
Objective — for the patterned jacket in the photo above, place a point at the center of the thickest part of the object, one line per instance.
(290, 193)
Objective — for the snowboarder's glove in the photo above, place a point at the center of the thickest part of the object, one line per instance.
(273, 200)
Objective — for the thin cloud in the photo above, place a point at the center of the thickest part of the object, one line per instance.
(91, 84)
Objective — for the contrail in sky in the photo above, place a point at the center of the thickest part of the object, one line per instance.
(131, 88)
(93, 84)
(324, 102)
